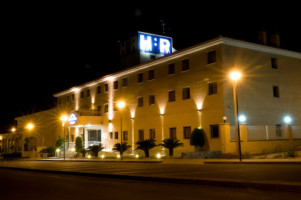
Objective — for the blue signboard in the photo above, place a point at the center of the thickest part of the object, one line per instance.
(157, 44)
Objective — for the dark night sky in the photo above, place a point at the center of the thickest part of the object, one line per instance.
(46, 48)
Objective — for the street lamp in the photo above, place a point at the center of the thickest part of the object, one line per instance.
(64, 118)
(13, 129)
(121, 105)
(29, 127)
(235, 76)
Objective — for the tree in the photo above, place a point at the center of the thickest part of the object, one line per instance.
(78, 144)
(170, 144)
(95, 149)
(60, 143)
(117, 147)
(146, 145)
(197, 138)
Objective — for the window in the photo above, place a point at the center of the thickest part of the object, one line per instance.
(171, 68)
(173, 132)
(171, 95)
(152, 134)
(98, 90)
(72, 138)
(211, 57)
(72, 97)
(94, 135)
(140, 101)
(187, 132)
(124, 82)
(141, 135)
(140, 78)
(151, 74)
(111, 135)
(88, 92)
(82, 94)
(115, 85)
(185, 65)
(125, 136)
(153, 57)
(151, 99)
(274, 63)
(214, 129)
(212, 88)
(186, 93)
(276, 91)
(59, 100)
(106, 87)
(68, 98)
(116, 135)
(278, 130)
(106, 108)
(99, 108)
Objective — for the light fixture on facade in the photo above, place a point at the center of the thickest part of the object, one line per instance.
(225, 119)
(158, 155)
(287, 119)
(13, 129)
(199, 110)
(242, 118)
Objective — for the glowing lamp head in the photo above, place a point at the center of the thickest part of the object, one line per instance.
(235, 75)
(13, 129)
(58, 150)
(30, 126)
(64, 118)
(158, 155)
(287, 119)
(242, 118)
(136, 156)
(120, 104)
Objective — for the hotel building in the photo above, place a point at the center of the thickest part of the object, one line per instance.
(170, 96)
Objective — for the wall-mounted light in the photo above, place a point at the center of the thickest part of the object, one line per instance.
(287, 119)
(161, 114)
(225, 119)
(132, 118)
(199, 110)
(242, 118)
(110, 121)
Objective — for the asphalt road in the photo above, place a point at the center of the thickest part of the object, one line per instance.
(269, 173)
(15, 184)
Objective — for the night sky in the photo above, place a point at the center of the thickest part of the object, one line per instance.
(47, 48)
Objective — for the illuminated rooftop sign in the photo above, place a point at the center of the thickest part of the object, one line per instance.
(72, 119)
(157, 44)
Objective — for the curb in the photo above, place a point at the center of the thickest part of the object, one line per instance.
(221, 183)
(125, 161)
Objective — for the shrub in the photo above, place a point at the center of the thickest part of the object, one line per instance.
(95, 149)
(146, 145)
(197, 138)
(117, 147)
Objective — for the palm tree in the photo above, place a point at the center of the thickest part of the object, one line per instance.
(95, 149)
(146, 145)
(170, 144)
(117, 147)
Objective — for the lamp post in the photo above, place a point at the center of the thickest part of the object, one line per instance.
(64, 118)
(29, 127)
(121, 105)
(235, 76)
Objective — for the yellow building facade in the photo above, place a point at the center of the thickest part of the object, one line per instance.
(172, 95)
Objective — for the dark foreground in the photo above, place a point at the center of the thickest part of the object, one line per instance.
(15, 184)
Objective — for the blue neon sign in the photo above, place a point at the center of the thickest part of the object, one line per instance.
(150, 43)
